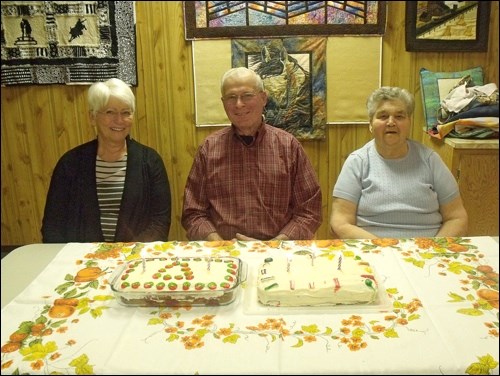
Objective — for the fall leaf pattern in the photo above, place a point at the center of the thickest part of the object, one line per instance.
(34, 347)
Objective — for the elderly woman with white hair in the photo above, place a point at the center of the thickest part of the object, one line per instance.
(394, 187)
(111, 189)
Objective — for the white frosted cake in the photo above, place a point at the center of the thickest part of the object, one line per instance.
(301, 279)
(178, 281)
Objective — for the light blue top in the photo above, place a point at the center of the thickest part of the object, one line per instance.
(397, 198)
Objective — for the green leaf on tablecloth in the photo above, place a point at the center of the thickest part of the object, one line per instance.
(470, 297)
(391, 333)
(470, 311)
(41, 320)
(172, 337)
(457, 267)
(477, 369)
(155, 321)
(455, 297)
(358, 332)
(102, 297)
(57, 324)
(93, 284)
(201, 332)
(38, 351)
(488, 360)
(312, 329)
(299, 343)
(97, 312)
(417, 263)
(476, 284)
(82, 366)
(71, 293)
(398, 305)
(231, 339)
(84, 310)
(61, 289)
(483, 367)
(413, 317)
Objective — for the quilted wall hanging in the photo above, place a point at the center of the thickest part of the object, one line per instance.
(67, 42)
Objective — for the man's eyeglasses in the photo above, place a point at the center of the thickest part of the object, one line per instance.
(111, 114)
(233, 98)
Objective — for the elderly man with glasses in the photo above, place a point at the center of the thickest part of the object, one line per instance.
(251, 180)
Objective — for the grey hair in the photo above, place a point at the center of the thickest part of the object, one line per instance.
(241, 74)
(100, 92)
(389, 93)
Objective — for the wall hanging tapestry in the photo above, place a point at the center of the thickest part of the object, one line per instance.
(233, 19)
(353, 69)
(67, 42)
(447, 25)
(294, 74)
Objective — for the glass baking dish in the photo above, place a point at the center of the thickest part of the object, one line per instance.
(178, 281)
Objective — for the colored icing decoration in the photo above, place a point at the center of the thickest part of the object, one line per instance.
(186, 274)
(303, 279)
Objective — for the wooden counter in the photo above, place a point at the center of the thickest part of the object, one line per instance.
(474, 163)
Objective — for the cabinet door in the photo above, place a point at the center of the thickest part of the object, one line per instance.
(477, 174)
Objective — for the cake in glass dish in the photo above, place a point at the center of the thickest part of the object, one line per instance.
(178, 281)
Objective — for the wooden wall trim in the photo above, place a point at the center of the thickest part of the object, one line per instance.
(40, 123)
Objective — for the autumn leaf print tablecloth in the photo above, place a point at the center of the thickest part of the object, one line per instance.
(437, 314)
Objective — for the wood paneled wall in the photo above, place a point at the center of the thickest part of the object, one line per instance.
(40, 123)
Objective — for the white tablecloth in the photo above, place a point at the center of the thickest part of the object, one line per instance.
(431, 316)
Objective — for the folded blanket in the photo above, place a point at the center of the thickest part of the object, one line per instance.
(475, 128)
(481, 111)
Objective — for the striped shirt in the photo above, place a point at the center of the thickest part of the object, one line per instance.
(110, 178)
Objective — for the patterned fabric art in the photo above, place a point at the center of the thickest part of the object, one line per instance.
(67, 42)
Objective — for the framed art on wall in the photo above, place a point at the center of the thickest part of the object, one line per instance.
(67, 42)
(352, 63)
(443, 26)
(253, 19)
(293, 71)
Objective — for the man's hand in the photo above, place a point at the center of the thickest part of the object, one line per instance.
(213, 236)
(244, 237)
(247, 238)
